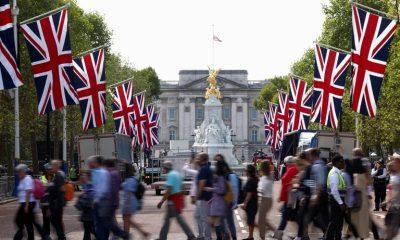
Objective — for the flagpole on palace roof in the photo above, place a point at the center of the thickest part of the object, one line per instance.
(44, 14)
(92, 50)
(15, 12)
(213, 47)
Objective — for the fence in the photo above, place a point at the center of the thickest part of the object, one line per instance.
(6, 187)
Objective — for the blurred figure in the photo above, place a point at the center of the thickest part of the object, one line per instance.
(56, 199)
(337, 192)
(204, 179)
(46, 179)
(250, 204)
(174, 197)
(73, 176)
(361, 218)
(265, 188)
(286, 185)
(217, 202)
(85, 205)
(25, 216)
(379, 174)
(130, 204)
(350, 199)
(392, 219)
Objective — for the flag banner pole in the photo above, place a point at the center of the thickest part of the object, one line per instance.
(121, 82)
(135, 94)
(17, 151)
(64, 137)
(44, 15)
(374, 10)
(92, 50)
(272, 103)
(297, 76)
(281, 90)
(331, 47)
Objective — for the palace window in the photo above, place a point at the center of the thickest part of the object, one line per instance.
(199, 114)
(171, 114)
(254, 136)
(172, 134)
(226, 113)
(254, 114)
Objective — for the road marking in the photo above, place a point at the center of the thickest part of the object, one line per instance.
(244, 231)
(241, 224)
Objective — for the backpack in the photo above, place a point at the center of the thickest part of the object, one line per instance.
(141, 189)
(242, 194)
(38, 189)
(228, 197)
(69, 191)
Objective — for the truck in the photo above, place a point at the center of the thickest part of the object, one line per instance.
(329, 143)
(107, 145)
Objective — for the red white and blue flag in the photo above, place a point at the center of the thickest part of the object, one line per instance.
(283, 114)
(151, 127)
(122, 108)
(372, 36)
(139, 119)
(10, 76)
(50, 52)
(300, 103)
(267, 129)
(274, 126)
(90, 85)
(330, 69)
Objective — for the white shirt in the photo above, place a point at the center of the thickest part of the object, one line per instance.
(191, 173)
(375, 171)
(265, 187)
(24, 185)
(334, 184)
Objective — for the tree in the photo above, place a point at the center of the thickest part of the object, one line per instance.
(269, 93)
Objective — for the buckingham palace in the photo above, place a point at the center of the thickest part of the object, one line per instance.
(181, 106)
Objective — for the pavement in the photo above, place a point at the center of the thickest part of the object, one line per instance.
(151, 219)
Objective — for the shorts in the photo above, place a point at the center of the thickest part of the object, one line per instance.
(251, 213)
(392, 218)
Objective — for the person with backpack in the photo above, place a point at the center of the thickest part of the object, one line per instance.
(131, 202)
(25, 216)
(265, 189)
(218, 202)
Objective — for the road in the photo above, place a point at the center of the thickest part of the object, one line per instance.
(151, 219)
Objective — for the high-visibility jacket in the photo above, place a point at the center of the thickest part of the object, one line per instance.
(44, 180)
(342, 183)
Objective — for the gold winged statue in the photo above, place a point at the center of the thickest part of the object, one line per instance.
(212, 88)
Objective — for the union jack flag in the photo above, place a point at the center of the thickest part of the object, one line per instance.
(151, 127)
(50, 52)
(267, 129)
(122, 107)
(329, 81)
(10, 76)
(90, 85)
(274, 126)
(139, 119)
(300, 103)
(283, 114)
(372, 36)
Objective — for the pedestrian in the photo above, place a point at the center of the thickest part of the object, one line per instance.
(85, 205)
(379, 174)
(57, 199)
(174, 197)
(250, 204)
(350, 199)
(392, 219)
(25, 217)
(130, 203)
(361, 218)
(204, 179)
(191, 170)
(286, 186)
(73, 176)
(219, 190)
(46, 179)
(265, 188)
(337, 191)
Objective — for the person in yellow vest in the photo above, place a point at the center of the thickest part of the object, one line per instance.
(337, 191)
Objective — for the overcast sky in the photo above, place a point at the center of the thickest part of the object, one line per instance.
(264, 37)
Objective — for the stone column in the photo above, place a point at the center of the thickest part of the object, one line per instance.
(181, 117)
(234, 118)
(245, 118)
(192, 114)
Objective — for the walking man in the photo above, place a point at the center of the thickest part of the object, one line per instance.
(337, 191)
(175, 198)
(379, 173)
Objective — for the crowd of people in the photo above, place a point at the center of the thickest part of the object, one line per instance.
(333, 195)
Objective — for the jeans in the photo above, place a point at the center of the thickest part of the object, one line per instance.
(22, 220)
(336, 218)
(230, 222)
(284, 218)
(46, 220)
(104, 224)
(56, 219)
(171, 213)
(201, 215)
(380, 195)
(88, 229)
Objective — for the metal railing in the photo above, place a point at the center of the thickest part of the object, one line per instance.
(6, 187)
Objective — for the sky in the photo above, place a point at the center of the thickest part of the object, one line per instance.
(264, 37)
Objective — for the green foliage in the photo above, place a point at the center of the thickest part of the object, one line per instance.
(270, 92)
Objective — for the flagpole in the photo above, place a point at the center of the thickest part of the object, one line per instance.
(64, 137)
(213, 47)
(331, 47)
(44, 14)
(357, 140)
(121, 82)
(296, 76)
(92, 50)
(15, 12)
(373, 9)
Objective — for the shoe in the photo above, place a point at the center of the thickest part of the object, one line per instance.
(248, 239)
(376, 210)
(384, 209)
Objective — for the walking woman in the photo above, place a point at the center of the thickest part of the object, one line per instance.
(265, 188)
(25, 216)
(130, 203)
(218, 205)
(250, 204)
(85, 205)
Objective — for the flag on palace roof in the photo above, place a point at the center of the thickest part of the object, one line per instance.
(372, 36)
(50, 52)
(330, 70)
(300, 103)
(10, 76)
(215, 38)
(90, 85)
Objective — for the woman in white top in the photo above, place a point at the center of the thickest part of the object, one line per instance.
(265, 188)
(25, 215)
